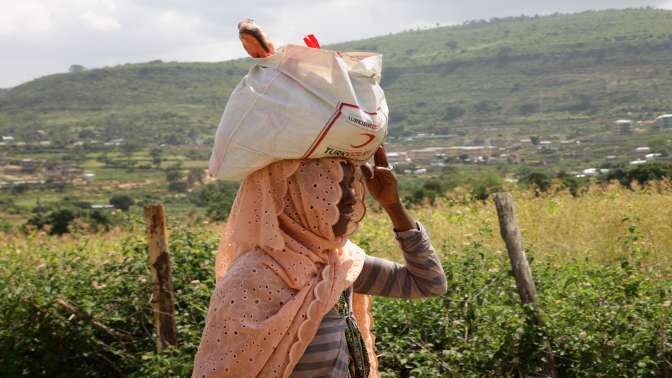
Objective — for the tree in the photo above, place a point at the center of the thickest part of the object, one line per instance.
(576, 186)
(660, 146)
(19, 189)
(175, 139)
(98, 218)
(155, 153)
(486, 106)
(87, 134)
(453, 112)
(75, 68)
(122, 202)
(178, 186)
(485, 184)
(433, 185)
(103, 158)
(535, 139)
(130, 147)
(584, 103)
(626, 129)
(173, 175)
(528, 108)
(59, 221)
(649, 172)
(195, 175)
(217, 197)
(452, 45)
(537, 180)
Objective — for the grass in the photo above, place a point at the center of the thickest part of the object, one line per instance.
(555, 228)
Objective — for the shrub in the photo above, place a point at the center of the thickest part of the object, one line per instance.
(575, 185)
(540, 182)
(99, 219)
(217, 197)
(59, 220)
(642, 173)
(602, 320)
(122, 201)
(453, 112)
(528, 108)
(178, 186)
(486, 184)
(174, 175)
(39, 338)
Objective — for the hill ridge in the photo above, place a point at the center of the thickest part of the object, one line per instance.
(602, 64)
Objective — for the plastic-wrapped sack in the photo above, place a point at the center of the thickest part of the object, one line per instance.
(301, 103)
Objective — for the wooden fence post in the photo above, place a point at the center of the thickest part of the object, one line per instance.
(162, 278)
(510, 232)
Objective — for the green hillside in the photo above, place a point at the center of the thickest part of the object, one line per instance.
(586, 66)
(561, 73)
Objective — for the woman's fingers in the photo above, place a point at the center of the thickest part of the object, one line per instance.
(385, 175)
(376, 172)
(367, 172)
(379, 157)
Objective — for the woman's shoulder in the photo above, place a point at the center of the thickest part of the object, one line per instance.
(249, 265)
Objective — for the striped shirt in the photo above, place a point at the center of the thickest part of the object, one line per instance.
(422, 276)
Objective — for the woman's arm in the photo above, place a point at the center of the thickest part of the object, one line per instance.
(400, 217)
(422, 276)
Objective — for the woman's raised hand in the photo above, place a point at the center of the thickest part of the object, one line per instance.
(380, 180)
(254, 39)
(384, 188)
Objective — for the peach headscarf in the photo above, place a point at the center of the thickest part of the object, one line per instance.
(279, 270)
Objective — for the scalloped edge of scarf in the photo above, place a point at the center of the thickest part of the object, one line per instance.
(369, 338)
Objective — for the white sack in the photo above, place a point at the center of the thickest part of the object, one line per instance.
(301, 103)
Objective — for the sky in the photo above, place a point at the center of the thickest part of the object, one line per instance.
(41, 37)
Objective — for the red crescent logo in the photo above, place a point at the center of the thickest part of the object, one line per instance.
(370, 138)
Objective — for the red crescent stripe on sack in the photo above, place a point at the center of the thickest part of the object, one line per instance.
(370, 136)
(330, 123)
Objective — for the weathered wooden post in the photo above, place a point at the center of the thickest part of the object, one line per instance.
(162, 278)
(508, 227)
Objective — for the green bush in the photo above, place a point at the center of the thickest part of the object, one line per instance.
(217, 197)
(59, 220)
(603, 320)
(608, 321)
(122, 201)
(642, 174)
(538, 181)
(39, 338)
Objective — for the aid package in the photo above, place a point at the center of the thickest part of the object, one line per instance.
(301, 103)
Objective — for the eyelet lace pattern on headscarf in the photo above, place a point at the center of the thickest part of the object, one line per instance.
(279, 270)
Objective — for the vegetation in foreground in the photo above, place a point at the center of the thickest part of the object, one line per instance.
(602, 271)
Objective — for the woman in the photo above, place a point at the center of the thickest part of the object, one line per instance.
(275, 313)
(292, 295)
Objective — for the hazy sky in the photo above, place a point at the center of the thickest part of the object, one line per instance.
(40, 37)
